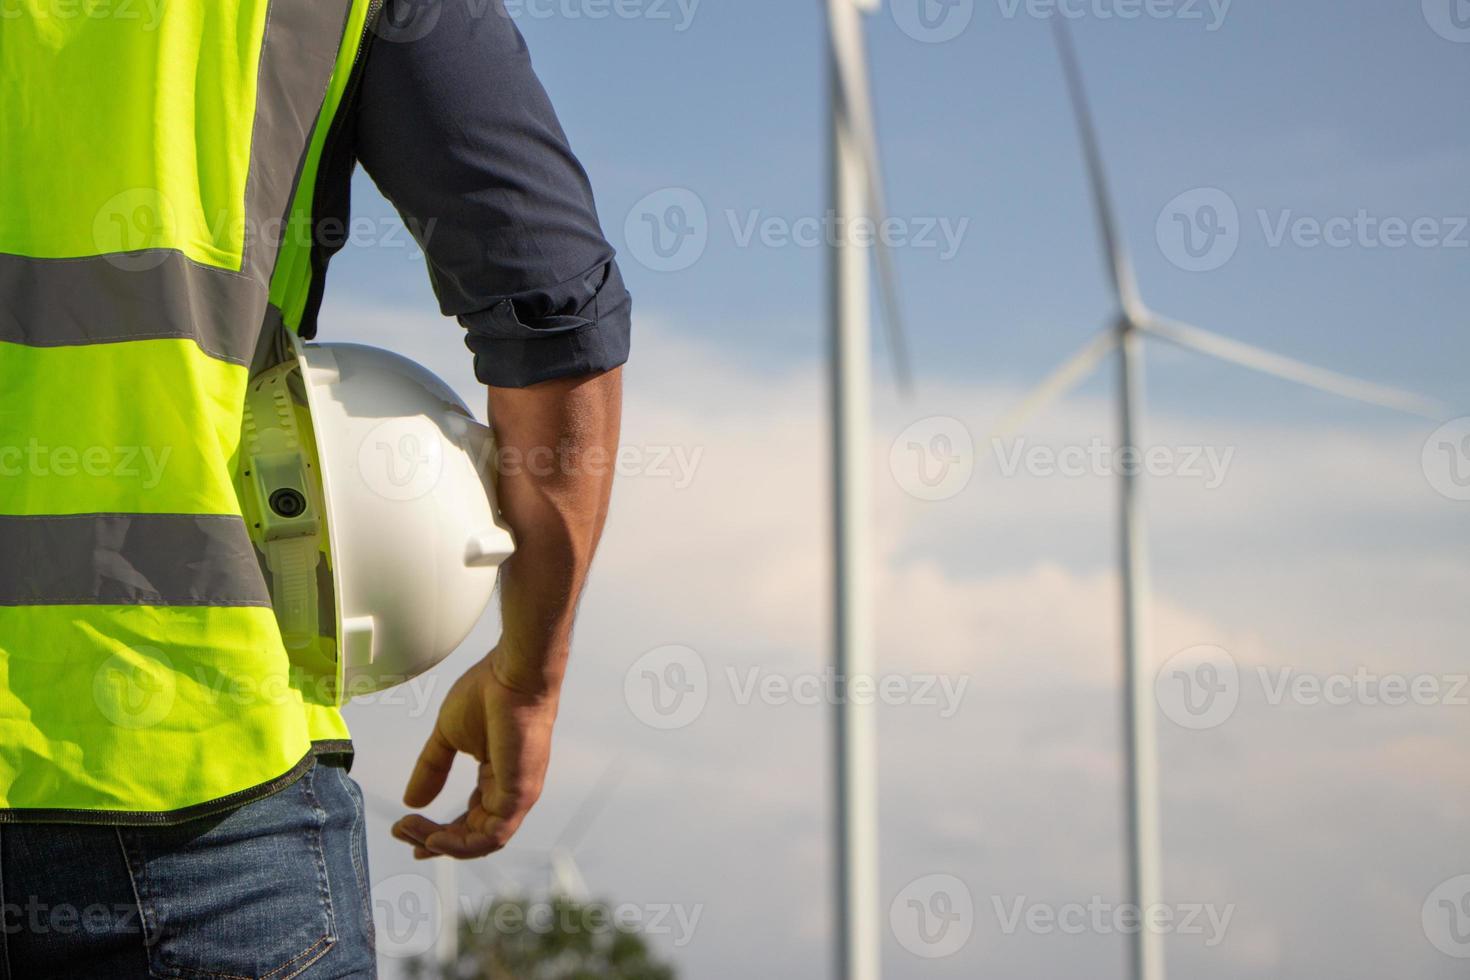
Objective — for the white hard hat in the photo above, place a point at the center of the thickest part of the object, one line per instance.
(368, 488)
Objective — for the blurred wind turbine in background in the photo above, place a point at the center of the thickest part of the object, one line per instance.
(856, 194)
(1132, 322)
(567, 880)
(446, 886)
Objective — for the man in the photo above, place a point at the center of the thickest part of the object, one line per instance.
(155, 175)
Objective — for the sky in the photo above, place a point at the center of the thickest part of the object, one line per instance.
(1291, 175)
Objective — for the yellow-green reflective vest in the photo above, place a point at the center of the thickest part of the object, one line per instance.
(157, 171)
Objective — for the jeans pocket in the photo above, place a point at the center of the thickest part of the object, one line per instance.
(243, 896)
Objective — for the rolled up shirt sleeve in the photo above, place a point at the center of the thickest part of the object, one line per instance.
(457, 132)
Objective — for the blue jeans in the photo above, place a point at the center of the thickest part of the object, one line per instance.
(275, 889)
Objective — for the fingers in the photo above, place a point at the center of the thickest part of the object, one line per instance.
(479, 831)
(456, 839)
(415, 829)
(430, 772)
(411, 832)
(507, 807)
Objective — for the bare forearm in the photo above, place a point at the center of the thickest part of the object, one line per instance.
(557, 444)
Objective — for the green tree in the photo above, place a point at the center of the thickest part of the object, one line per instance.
(557, 940)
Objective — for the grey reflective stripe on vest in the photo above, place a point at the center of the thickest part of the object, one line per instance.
(132, 296)
(160, 293)
(129, 559)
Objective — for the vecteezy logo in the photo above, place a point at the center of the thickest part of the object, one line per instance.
(1446, 917)
(668, 230)
(136, 689)
(933, 21)
(1450, 19)
(402, 459)
(667, 687)
(1199, 231)
(134, 229)
(934, 458)
(1446, 459)
(406, 22)
(1199, 687)
(408, 914)
(933, 917)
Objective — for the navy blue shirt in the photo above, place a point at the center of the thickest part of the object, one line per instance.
(452, 124)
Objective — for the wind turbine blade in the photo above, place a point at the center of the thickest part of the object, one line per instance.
(1057, 384)
(1119, 266)
(854, 106)
(1290, 369)
(591, 807)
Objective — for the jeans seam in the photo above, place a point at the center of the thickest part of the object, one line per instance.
(144, 915)
(274, 974)
(324, 881)
(364, 887)
(356, 822)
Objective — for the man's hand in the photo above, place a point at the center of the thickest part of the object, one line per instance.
(508, 731)
(557, 442)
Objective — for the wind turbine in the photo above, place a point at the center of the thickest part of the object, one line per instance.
(446, 885)
(856, 191)
(566, 875)
(1132, 322)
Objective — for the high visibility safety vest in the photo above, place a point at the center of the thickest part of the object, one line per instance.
(158, 170)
